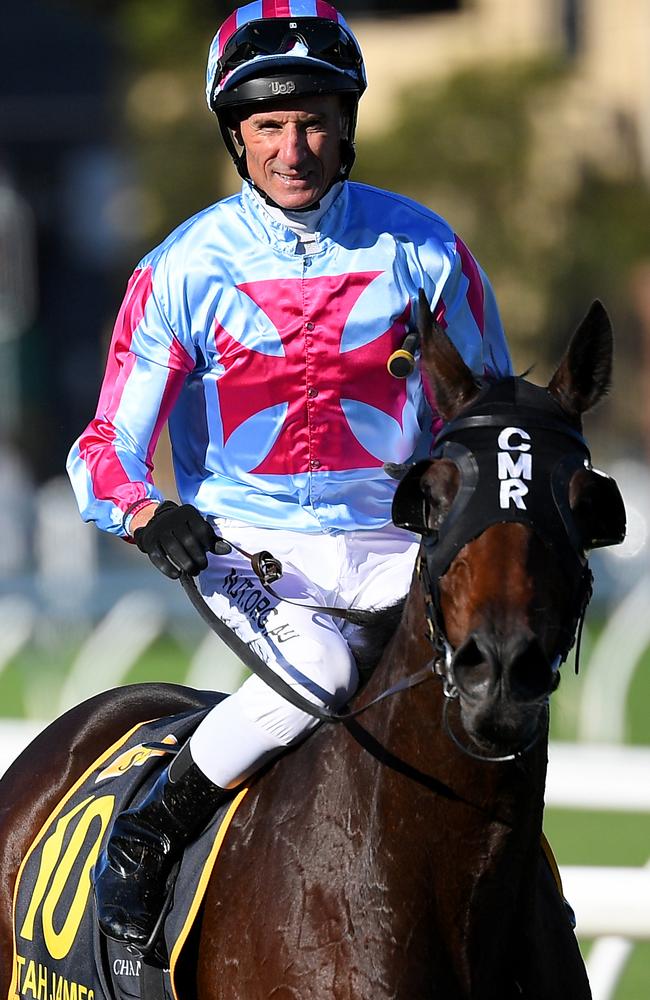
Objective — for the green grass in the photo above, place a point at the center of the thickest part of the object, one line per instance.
(565, 702)
(30, 684)
(598, 838)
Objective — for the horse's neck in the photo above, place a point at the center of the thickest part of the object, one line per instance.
(441, 831)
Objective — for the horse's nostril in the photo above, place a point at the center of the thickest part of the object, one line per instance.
(472, 670)
(529, 673)
(519, 666)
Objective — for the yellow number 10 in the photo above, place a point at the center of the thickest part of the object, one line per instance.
(60, 942)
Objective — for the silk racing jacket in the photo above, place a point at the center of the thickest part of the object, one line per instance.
(269, 364)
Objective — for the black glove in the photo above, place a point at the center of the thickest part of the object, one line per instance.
(177, 539)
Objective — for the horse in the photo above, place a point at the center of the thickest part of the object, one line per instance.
(396, 855)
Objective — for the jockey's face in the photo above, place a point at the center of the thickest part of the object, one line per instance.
(293, 148)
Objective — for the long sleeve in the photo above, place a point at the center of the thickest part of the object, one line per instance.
(468, 311)
(467, 299)
(111, 464)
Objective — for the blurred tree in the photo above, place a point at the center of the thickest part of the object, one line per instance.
(166, 125)
(555, 221)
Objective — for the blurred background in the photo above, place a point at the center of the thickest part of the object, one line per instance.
(527, 125)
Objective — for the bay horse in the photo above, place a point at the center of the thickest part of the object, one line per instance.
(397, 856)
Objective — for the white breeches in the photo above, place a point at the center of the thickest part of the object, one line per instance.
(310, 651)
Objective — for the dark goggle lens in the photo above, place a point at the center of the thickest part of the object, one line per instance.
(326, 41)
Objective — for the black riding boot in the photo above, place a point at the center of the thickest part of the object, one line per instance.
(132, 872)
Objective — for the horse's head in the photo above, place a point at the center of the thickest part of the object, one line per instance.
(508, 506)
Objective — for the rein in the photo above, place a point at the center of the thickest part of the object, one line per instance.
(257, 666)
(438, 667)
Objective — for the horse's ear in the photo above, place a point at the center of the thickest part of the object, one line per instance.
(452, 383)
(584, 374)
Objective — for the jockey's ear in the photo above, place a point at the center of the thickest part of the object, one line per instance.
(425, 494)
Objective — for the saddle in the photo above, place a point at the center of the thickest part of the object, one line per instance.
(59, 952)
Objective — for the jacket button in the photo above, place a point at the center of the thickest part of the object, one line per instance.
(312, 393)
(309, 326)
(315, 464)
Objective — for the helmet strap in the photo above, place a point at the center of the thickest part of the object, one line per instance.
(238, 156)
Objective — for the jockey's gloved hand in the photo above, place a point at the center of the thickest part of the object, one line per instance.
(178, 539)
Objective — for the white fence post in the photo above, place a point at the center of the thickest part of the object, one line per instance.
(66, 548)
(17, 624)
(611, 668)
(113, 647)
(605, 965)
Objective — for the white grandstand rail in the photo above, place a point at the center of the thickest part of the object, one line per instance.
(602, 778)
(598, 776)
(17, 625)
(113, 647)
(609, 900)
(214, 667)
(612, 664)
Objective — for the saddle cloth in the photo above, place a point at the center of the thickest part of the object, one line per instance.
(59, 953)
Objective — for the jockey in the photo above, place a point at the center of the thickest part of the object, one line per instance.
(260, 331)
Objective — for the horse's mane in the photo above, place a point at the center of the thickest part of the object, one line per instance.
(375, 637)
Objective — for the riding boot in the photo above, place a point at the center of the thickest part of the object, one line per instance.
(131, 876)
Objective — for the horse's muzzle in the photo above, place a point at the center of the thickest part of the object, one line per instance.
(503, 687)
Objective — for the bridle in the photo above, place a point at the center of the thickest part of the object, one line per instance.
(463, 441)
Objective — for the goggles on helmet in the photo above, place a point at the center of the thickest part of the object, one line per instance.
(325, 40)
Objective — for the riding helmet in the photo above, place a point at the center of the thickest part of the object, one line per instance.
(271, 49)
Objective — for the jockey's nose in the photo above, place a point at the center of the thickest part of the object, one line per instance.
(294, 146)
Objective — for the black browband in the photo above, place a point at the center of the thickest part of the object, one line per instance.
(530, 418)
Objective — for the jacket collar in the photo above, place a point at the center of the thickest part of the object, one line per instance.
(274, 227)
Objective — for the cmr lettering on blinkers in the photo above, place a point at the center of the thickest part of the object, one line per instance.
(513, 472)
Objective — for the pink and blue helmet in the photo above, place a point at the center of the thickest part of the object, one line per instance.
(272, 49)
